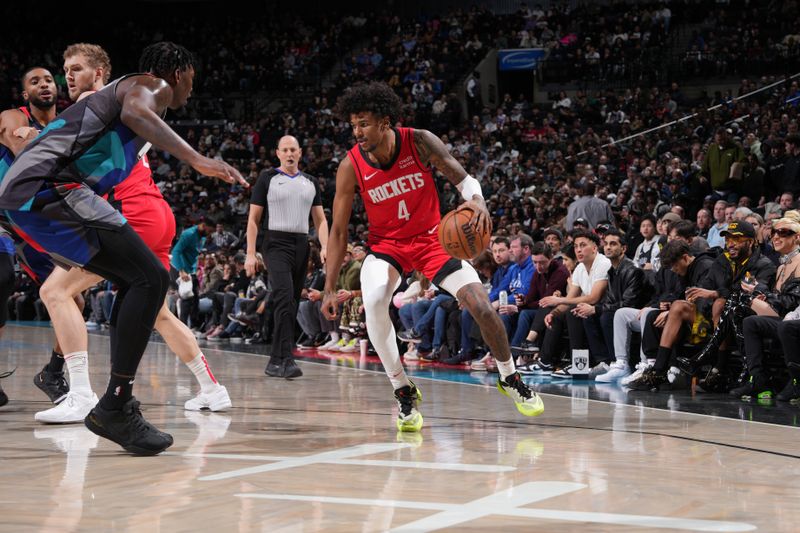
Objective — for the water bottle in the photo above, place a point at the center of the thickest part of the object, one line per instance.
(503, 298)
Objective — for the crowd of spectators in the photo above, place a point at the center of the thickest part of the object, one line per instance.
(545, 169)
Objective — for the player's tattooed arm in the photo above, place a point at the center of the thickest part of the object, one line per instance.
(432, 151)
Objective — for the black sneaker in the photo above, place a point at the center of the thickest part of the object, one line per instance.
(458, 359)
(650, 381)
(53, 384)
(290, 369)
(756, 386)
(790, 393)
(274, 368)
(525, 347)
(128, 428)
(256, 338)
(308, 344)
(410, 335)
(714, 381)
(3, 395)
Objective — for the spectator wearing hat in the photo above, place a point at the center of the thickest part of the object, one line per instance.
(555, 240)
(589, 208)
(742, 260)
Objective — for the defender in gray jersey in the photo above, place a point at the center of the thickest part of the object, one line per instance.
(51, 195)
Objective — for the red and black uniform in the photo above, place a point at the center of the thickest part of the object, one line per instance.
(402, 207)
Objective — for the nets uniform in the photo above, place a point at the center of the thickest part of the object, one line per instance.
(52, 193)
(402, 207)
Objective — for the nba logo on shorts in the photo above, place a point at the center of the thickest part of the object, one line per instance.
(580, 363)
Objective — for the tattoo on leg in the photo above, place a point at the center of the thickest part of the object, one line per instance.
(474, 299)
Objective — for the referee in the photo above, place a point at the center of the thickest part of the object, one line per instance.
(284, 198)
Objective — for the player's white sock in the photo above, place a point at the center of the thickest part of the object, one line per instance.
(78, 368)
(201, 370)
(506, 368)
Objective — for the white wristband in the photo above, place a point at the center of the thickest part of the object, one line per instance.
(469, 187)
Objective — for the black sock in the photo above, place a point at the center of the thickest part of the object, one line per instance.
(662, 360)
(119, 391)
(56, 363)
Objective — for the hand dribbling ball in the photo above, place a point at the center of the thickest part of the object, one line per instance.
(460, 237)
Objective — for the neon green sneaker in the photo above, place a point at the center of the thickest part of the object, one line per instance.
(527, 401)
(408, 418)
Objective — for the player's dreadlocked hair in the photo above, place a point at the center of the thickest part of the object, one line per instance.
(164, 58)
(375, 97)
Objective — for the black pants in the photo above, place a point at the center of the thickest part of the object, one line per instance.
(142, 281)
(756, 329)
(552, 343)
(593, 333)
(6, 285)
(187, 309)
(286, 256)
(789, 334)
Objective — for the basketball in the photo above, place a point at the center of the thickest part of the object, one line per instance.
(459, 237)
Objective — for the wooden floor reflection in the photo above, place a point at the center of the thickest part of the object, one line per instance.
(320, 453)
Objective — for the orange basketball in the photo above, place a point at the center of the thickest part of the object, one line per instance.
(459, 237)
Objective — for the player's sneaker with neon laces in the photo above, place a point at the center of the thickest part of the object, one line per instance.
(52, 383)
(216, 400)
(408, 418)
(73, 409)
(527, 401)
(128, 428)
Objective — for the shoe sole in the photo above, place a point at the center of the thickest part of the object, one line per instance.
(600, 379)
(294, 374)
(136, 450)
(410, 427)
(523, 408)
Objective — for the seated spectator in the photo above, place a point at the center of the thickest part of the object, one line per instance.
(588, 286)
(221, 240)
(550, 276)
(316, 329)
(680, 318)
(770, 306)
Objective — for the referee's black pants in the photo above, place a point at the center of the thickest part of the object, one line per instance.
(286, 257)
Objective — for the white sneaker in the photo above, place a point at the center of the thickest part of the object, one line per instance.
(412, 354)
(598, 370)
(330, 344)
(216, 400)
(341, 343)
(617, 371)
(641, 367)
(74, 408)
(351, 346)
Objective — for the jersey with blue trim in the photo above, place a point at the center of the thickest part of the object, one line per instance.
(86, 144)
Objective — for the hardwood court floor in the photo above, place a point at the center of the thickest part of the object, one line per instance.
(321, 453)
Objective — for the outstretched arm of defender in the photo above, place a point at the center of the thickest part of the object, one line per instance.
(142, 104)
(337, 238)
(432, 151)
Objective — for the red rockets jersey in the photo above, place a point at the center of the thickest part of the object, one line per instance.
(400, 200)
(138, 183)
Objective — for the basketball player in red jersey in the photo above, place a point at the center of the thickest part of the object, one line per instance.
(391, 169)
(87, 69)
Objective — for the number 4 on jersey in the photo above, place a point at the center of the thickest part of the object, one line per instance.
(402, 210)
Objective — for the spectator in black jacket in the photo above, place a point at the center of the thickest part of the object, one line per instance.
(771, 306)
(627, 287)
(682, 317)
